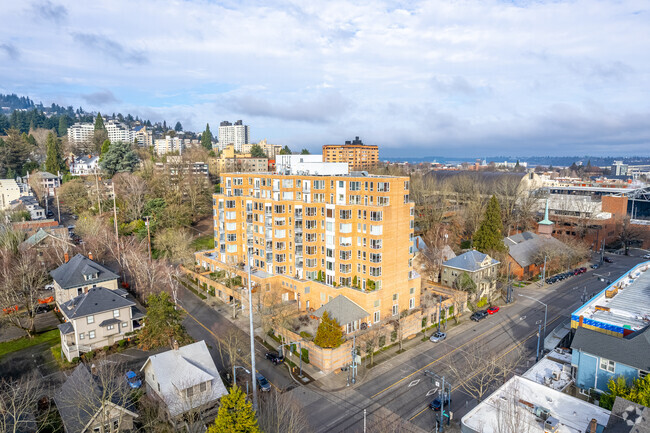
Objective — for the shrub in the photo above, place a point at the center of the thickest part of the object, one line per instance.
(393, 336)
(122, 343)
(304, 354)
(424, 322)
(306, 335)
(482, 302)
(211, 291)
(382, 341)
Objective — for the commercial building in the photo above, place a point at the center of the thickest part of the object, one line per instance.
(316, 237)
(236, 134)
(619, 169)
(81, 133)
(358, 155)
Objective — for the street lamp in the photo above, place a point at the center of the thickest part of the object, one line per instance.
(234, 374)
(545, 309)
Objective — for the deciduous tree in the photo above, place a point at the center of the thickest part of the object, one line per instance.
(163, 324)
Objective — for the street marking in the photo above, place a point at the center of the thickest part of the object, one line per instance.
(418, 414)
(432, 391)
(415, 382)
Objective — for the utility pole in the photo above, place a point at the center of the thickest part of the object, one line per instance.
(58, 206)
(364, 421)
(99, 201)
(508, 287)
(539, 334)
(439, 310)
(148, 235)
(251, 329)
(117, 235)
(354, 360)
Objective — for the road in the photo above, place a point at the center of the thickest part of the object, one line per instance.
(398, 390)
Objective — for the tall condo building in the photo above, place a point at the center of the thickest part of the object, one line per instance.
(358, 155)
(317, 237)
(81, 133)
(236, 134)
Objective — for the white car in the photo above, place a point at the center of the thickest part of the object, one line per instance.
(438, 336)
(49, 287)
(647, 256)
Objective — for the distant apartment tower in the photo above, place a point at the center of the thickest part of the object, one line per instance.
(81, 133)
(619, 169)
(236, 134)
(119, 132)
(358, 155)
(168, 144)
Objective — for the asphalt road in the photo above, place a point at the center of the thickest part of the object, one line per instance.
(399, 389)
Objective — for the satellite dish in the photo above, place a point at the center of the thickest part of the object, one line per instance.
(364, 325)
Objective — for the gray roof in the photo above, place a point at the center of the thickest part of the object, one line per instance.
(110, 321)
(83, 159)
(524, 246)
(96, 300)
(136, 313)
(343, 310)
(632, 350)
(47, 175)
(469, 261)
(66, 328)
(628, 417)
(71, 274)
(79, 399)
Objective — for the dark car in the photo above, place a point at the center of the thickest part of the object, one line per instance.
(437, 402)
(595, 266)
(274, 357)
(479, 315)
(42, 309)
(607, 260)
(263, 383)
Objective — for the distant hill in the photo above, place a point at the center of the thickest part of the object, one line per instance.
(9, 103)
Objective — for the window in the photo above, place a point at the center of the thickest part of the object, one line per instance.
(345, 214)
(82, 336)
(375, 257)
(125, 324)
(375, 244)
(376, 230)
(375, 272)
(203, 386)
(345, 228)
(607, 365)
(345, 241)
(383, 201)
(90, 319)
(406, 198)
(345, 268)
(231, 237)
(278, 208)
(355, 186)
(189, 392)
(231, 215)
(395, 309)
(230, 204)
(377, 316)
(376, 216)
(383, 186)
(376, 303)
(109, 327)
(91, 334)
(319, 184)
(345, 255)
(412, 291)
(307, 290)
(412, 303)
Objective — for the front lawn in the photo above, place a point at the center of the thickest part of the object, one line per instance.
(203, 243)
(51, 337)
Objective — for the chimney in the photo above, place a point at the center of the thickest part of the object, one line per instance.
(89, 156)
(593, 426)
(66, 257)
(175, 345)
(90, 255)
(93, 370)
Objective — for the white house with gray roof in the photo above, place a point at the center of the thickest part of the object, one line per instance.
(80, 274)
(97, 318)
(480, 267)
(184, 378)
(84, 165)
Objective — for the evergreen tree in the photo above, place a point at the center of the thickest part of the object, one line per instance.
(164, 324)
(54, 160)
(236, 414)
(206, 137)
(99, 122)
(257, 152)
(305, 152)
(178, 127)
(15, 152)
(285, 150)
(164, 125)
(105, 146)
(4, 123)
(120, 157)
(63, 125)
(639, 392)
(488, 237)
(329, 332)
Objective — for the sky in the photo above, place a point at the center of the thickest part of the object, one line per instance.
(449, 78)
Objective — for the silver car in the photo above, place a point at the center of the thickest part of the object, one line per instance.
(438, 336)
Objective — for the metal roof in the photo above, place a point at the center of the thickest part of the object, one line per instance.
(343, 310)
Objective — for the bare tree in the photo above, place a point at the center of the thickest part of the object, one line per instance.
(371, 339)
(280, 413)
(19, 404)
(511, 416)
(274, 312)
(132, 190)
(175, 244)
(386, 421)
(627, 233)
(234, 349)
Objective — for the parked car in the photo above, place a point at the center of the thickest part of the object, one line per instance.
(42, 309)
(133, 380)
(263, 383)
(493, 309)
(438, 336)
(646, 256)
(71, 227)
(595, 266)
(479, 315)
(437, 402)
(49, 287)
(274, 357)
(607, 260)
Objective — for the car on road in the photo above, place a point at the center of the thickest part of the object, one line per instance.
(646, 256)
(49, 287)
(42, 309)
(479, 315)
(133, 380)
(274, 357)
(493, 309)
(437, 402)
(438, 336)
(263, 383)
(595, 266)
(607, 260)
(70, 227)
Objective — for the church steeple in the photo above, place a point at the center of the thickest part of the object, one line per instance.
(545, 226)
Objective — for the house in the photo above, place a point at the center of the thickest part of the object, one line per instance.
(31, 205)
(88, 404)
(96, 318)
(84, 165)
(598, 357)
(78, 275)
(184, 378)
(347, 313)
(523, 405)
(48, 181)
(524, 250)
(481, 268)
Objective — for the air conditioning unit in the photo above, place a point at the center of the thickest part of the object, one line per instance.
(556, 375)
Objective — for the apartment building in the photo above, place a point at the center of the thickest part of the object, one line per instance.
(143, 135)
(231, 161)
(271, 150)
(236, 134)
(119, 132)
(316, 237)
(163, 146)
(81, 133)
(9, 191)
(358, 155)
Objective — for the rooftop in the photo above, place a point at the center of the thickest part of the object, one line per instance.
(553, 370)
(71, 274)
(519, 398)
(471, 261)
(96, 300)
(633, 351)
(354, 174)
(622, 307)
(523, 247)
(343, 310)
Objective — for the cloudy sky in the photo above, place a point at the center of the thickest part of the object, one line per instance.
(450, 78)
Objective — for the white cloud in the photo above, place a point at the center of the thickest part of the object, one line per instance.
(434, 76)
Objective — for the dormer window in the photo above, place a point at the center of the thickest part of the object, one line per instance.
(90, 276)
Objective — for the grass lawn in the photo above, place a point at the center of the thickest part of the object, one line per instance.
(203, 243)
(52, 337)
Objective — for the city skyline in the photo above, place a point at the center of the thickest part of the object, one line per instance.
(416, 78)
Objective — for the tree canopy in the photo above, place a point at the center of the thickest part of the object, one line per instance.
(178, 127)
(119, 157)
(257, 152)
(163, 324)
(285, 150)
(329, 332)
(305, 152)
(54, 160)
(206, 137)
(639, 392)
(488, 237)
(99, 122)
(236, 414)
